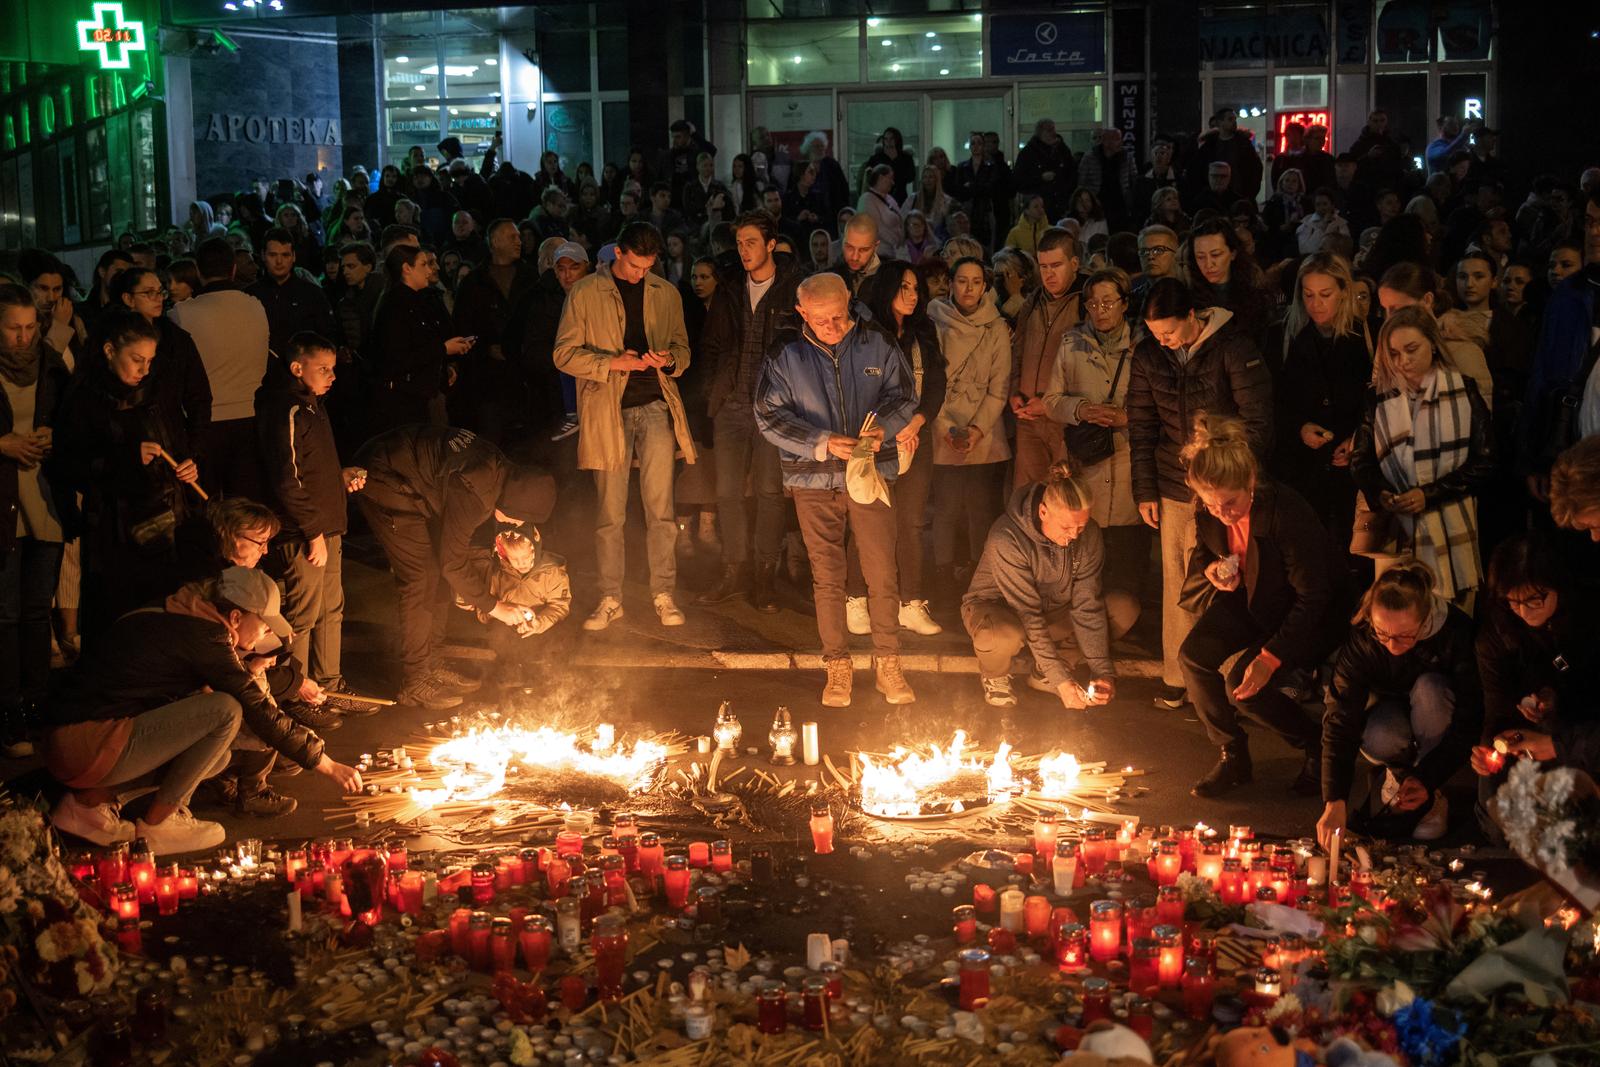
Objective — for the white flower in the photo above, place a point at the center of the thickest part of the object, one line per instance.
(1287, 1005)
(1394, 998)
(1558, 785)
(10, 891)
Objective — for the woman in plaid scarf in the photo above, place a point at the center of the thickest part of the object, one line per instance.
(1423, 451)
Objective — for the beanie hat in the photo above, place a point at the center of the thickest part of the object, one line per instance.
(529, 494)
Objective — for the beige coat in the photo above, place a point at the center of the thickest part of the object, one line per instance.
(977, 356)
(589, 336)
(1083, 374)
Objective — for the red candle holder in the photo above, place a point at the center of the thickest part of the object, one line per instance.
(652, 857)
(483, 875)
(1208, 863)
(1169, 905)
(294, 861)
(1144, 966)
(166, 889)
(142, 873)
(1072, 953)
(974, 972)
(411, 892)
(1168, 863)
(722, 856)
(557, 873)
(984, 898)
(528, 861)
(1092, 850)
(616, 880)
(1231, 882)
(772, 1009)
(610, 945)
(675, 881)
(1169, 956)
(708, 905)
(1096, 1000)
(1036, 916)
(505, 873)
(480, 927)
(125, 902)
(502, 945)
(188, 884)
(535, 938)
(1044, 834)
(569, 843)
(1105, 930)
(460, 941)
(112, 868)
(821, 830)
(1199, 988)
(699, 854)
(814, 1003)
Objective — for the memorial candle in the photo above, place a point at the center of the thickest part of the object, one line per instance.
(1011, 901)
(1169, 905)
(1269, 983)
(984, 898)
(569, 843)
(167, 889)
(505, 869)
(1169, 962)
(460, 943)
(814, 1004)
(528, 861)
(675, 881)
(294, 861)
(722, 856)
(1036, 916)
(1168, 862)
(142, 873)
(699, 854)
(502, 946)
(569, 925)
(1208, 863)
(964, 923)
(398, 858)
(708, 905)
(1044, 836)
(616, 881)
(125, 901)
(1096, 1000)
(188, 884)
(610, 945)
(652, 857)
(535, 939)
(480, 926)
(772, 1009)
(1071, 947)
(1199, 988)
(1105, 930)
(557, 874)
(1143, 966)
(1230, 886)
(1064, 870)
(411, 893)
(821, 830)
(112, 867)
(974, 963)
(1092, 851)
(483, 883)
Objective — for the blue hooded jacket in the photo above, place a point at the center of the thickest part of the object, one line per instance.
(808, 392)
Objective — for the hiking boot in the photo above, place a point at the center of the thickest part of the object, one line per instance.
(428, 694)
(267, 803)
(892, 681)
(836, 693)
(667, 610)
(856, 616)
(606, 612)
(102, 824)
(180, 832)
(1232, 770)
(320, 719)
(914, 617)
(1171, 697)
(1308, 783)
(763, 595)
(1435, 822)
(461, 683)
(997, 692)
(732, 585)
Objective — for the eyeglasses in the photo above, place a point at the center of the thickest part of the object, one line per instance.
(261, 543)
(1158, 250)
(162, 293)
(1530, 603)
(1385, 638)
(1102, 305)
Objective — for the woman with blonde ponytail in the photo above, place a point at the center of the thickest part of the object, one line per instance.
(1037, 586)
(1405, 697)
(1262, 581)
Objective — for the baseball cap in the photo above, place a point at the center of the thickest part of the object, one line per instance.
(256, 593)
(570, 250)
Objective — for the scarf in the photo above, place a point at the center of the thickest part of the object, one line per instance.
(1417, 447)
(20, 367)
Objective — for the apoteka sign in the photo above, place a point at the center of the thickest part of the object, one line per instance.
(111, 35)
(271, 129)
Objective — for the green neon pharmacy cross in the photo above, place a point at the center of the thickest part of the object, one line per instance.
(108, 33)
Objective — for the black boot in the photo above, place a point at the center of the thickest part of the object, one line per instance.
(1308, 783)
(734, 583)
(763, 596)
(1233, 769)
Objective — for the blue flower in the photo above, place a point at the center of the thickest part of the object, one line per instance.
(1422, 1040)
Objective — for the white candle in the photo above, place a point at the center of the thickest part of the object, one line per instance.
(819, 950)
(1333, 855)
(1065, 872)
(841, 951)
(1316, 869)
(430, 887)
(294, 911)
(810, 749)
(1011, 910)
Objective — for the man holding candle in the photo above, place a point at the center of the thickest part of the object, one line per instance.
(812, 399)
(162, 697)
(1028, 591)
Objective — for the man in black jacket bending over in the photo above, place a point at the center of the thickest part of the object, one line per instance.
(428, 489)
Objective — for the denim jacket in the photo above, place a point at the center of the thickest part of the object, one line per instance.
(809, 391)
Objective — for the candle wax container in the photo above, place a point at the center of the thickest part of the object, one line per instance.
(1144, 966)
(483, 875)
(814, 1003)
(569, 843)
(984, 898)
(1105, 930)
(699, 854)
(1169, 956)
(125, 902)
(535, 940)
(1036, 916)
(142, 873)
(480, 927)
(1168, 863)
(1064, 869)
(974, 972)
(1092, 852)
(1199, 988)
(1072, 952)
(166, 889)
(112, 867)
(1011, 918)
(569, 925)
(188, 884)
(964, 923)
(761, 866)
(721, 856)
(1169, 905)
(502, 945)
(1208, 863)
(675, 881)
(821, 830)
(772, 1009)
(708, 905)
(610, 946)
(557, 874)
(652, 857)
(1096, 1000)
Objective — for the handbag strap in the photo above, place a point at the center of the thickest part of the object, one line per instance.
(1117, 376)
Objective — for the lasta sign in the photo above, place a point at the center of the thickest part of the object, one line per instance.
(111, 35)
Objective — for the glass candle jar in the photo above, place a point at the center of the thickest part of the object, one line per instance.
(1208, 863)
(761, 866)
(1168, 863)
(708, 905)
(675, 881)
(1105, 930)
(1036, 916)
(166, 889)
(459, 943)
(150, 1009)
(610, 945)
(483, 883)
(974, 978)
(1044, 836)
(1071, 947)
(569, 843)
(1096, 1000)
(1064, 868)
(569, 925)
(557, 873)
(188, 884)
(814, 1002)
(125, 901)
(652, 856)
(1230, 884)
(1169, 905)
(502, 945)
(591, 891)
(1268, 983)
(535, 938)
(821, 830)
(505, 872)
(294, 861)
(1140, 915)
(1144, 975)
(624, 824)
(964, 923)
(722, 856)
(480, 927)
(1093, 850)
(772, 1009)
(699, 854)
(616, 881)
(1199, 988)
(1169, 955)
(1011, 901)
(112, 867)
(142, 873)
(984, 898)
(697, 1020)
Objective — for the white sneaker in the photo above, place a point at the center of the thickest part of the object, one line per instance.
(1435, 822)
(181, 832)
(914, 617)
(997, 692)
(608, 611)
(856, 616)
(99, 823)
(666, 610)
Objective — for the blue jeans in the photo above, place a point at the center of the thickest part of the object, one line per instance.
(1400, 734)
(27, 586)
(646, 433)
(190, 738)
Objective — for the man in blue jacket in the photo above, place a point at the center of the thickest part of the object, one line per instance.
(811, 401)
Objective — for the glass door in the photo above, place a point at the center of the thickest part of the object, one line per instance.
(952, 120)
(865, 119)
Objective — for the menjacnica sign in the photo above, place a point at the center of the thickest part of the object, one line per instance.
(271, 129)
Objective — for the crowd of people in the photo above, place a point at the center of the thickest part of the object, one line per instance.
(1335, 408)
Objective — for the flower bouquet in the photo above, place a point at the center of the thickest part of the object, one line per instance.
(1552, 820)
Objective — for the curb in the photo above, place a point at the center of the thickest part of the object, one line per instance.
(724, 660)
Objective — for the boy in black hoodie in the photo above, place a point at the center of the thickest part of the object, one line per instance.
(308, 488)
